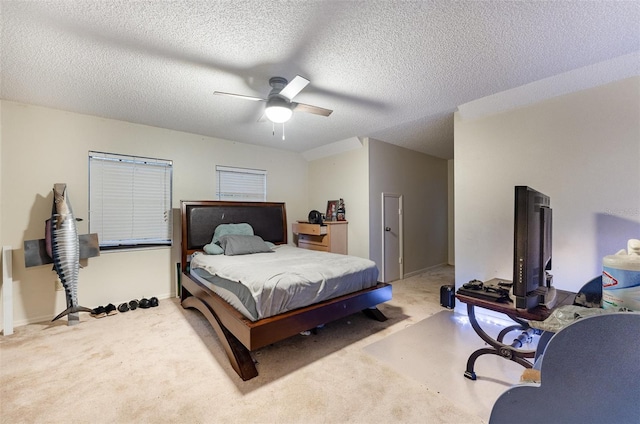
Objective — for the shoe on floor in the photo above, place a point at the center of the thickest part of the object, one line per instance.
(123, 307)
(144, 303)
(110, 309)
(153, 302)
(133, 305)
(98, 312)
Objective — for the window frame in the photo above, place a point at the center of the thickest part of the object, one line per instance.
(146, 228)
(240, 193)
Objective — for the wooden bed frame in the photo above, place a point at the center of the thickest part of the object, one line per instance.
(238, 334)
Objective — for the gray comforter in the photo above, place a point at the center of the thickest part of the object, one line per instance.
(292, 277)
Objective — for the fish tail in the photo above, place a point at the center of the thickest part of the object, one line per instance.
(70, 310)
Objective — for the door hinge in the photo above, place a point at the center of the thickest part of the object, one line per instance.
(400, 261)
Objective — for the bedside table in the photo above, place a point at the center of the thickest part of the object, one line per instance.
(331, 236)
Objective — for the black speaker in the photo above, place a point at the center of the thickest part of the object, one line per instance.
(447, 296)
(315, 217)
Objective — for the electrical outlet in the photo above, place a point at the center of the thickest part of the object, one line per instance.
(59, 286)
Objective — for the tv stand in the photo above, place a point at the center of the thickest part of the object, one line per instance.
(513, 351)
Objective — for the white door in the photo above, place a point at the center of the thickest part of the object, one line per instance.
(391, 237)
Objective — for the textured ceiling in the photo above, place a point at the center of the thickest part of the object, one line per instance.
(391, 70)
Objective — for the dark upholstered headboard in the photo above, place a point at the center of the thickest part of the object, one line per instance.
(201, 217)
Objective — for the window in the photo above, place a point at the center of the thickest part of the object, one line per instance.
(129, 201)
(241, 184)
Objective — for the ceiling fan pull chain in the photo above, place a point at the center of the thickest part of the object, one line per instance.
(283, 131)
(273, 129)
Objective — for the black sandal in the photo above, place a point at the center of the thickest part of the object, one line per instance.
(144, 303)
(153, 302)
(133, 305)
(123, 307)
(99, 312)
(110, 309)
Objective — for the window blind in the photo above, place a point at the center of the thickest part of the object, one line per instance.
(241, 184)
(129, 201)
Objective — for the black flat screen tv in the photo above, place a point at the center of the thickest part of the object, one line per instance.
(532, 282)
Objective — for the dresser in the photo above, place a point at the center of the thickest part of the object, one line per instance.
(328, 237)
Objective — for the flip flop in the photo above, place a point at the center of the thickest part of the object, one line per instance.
(133, 305)
(153, 302)
(123, 307)
(144, 303)
(98, 312)
(110, 309)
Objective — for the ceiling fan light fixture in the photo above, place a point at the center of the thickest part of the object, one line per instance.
(278, 110)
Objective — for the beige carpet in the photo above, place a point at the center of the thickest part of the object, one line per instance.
(165, 364)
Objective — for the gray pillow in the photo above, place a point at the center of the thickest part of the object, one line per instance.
(234, 244)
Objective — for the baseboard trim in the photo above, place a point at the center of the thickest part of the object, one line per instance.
(47, 318)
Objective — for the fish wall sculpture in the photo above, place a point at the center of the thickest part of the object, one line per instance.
(65, 250)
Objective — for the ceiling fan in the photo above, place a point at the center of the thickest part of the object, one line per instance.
(280, 106)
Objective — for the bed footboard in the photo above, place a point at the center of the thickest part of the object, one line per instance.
(240, 335)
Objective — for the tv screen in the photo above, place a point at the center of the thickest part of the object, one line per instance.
(532, 283)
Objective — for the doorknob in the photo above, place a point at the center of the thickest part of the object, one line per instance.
(387, 228)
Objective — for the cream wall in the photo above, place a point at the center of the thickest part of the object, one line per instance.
(581, 149)
(360, 176)
(451, 253)
(42, 146)
(422, 180)
(346, 176)
(1, 197)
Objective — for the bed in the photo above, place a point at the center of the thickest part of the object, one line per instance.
(239, 332)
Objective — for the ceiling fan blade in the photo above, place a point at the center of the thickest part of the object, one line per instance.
(294, 87)
(240, 96)
(301, 107)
